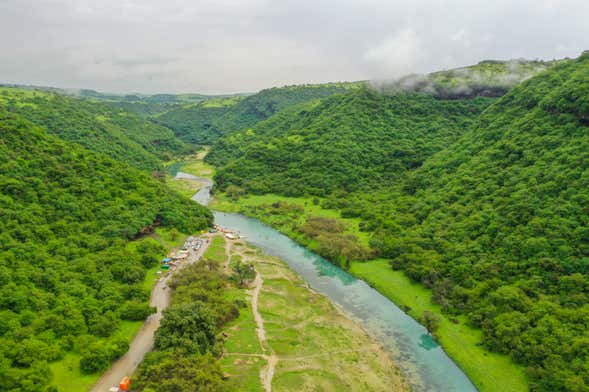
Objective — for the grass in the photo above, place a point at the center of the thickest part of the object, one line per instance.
(317, 347)
(194, 164)
(191, 165)
(185, 187)
(216, 250)
(67, 376)
(460, 341)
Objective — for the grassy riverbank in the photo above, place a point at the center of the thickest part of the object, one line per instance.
(190, 165)
(488, 371)
(308, 343)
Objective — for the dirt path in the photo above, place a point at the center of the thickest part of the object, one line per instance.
(266, 373)
(227, 258)
(143, 341)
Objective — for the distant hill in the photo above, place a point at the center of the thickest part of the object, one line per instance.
(204, 123)
(69, 274)
(488, 78)
(115, 132)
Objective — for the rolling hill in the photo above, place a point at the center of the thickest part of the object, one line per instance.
(100, 127)
(369, 136)
(204, 123)
(497, 225)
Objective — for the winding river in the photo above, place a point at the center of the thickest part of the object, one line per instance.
(424, 362)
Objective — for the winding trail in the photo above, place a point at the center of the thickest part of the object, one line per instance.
(267, 373)
(143, 341)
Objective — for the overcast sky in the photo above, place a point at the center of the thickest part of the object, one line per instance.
(222, 46)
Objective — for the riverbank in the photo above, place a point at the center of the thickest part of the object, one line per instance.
(462, 342)
(292, 339)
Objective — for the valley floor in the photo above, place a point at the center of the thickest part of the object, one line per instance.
(488, 371)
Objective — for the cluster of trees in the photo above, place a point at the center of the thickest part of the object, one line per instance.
(486, 208)
(69, 272)
(333, 243)
(204, 123)
(188, 343)
(100, 127)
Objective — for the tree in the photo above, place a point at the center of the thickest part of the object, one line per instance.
(171, 371)
(135, 311)
(430, 321)
(189, 327)
(244, 273)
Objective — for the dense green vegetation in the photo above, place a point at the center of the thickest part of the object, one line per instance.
(197, 123)
(99, 127)
(495, 222)
(69, 273)
(206, 122)
(497, 226)
(188, 342)
(347, 142)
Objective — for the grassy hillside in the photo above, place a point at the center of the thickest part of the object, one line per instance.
(346, 142)
(71, 279)
(204, 123)
(99, 127)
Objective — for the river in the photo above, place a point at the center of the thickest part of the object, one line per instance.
(423, 361)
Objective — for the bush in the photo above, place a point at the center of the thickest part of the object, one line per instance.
(134, 311)
(95, 360)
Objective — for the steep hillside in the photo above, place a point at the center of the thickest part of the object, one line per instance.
(99, 127)
(69, 274)
(367, 137)
(498, 226)
(205, 123)
(345, 142)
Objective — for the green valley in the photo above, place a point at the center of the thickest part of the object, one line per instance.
(489, 217)
(423, 232)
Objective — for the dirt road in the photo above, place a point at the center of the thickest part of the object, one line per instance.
(143, 341)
